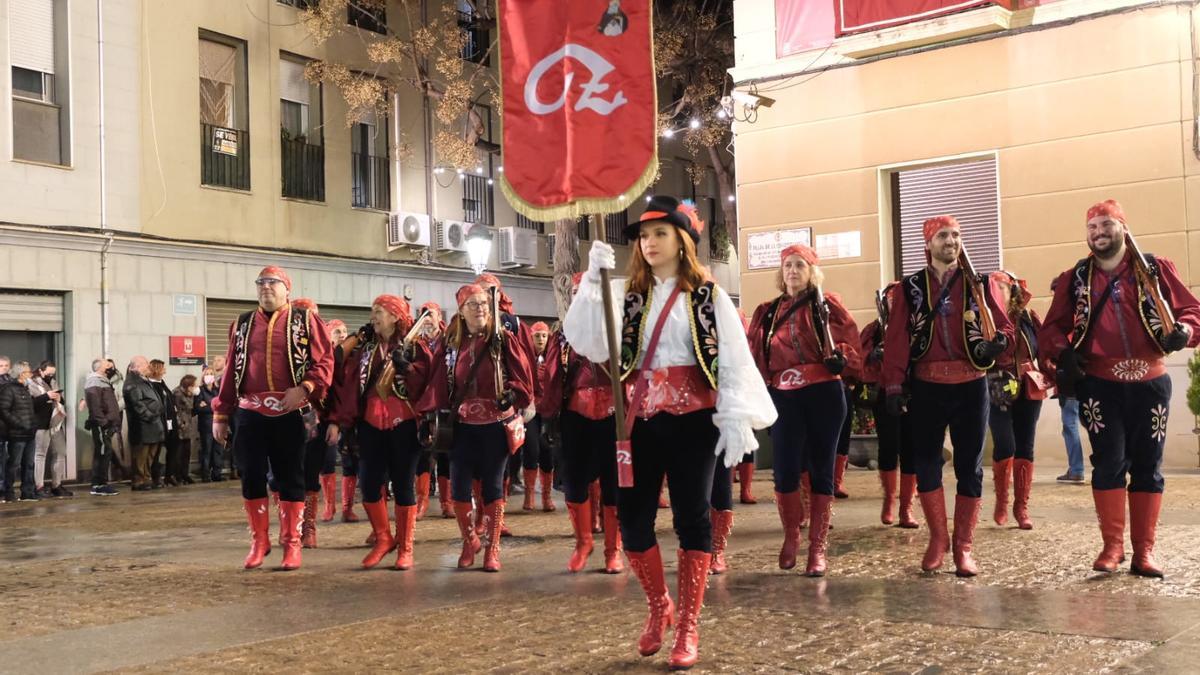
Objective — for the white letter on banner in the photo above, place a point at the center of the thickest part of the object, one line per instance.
(600, 69)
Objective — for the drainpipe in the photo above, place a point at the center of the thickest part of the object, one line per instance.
(104, 303)
(395, 151)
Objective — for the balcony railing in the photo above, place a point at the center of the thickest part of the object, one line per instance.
(224, 157)
(303, 170)
(479, 40)
(477, 200)
(530, 224)
(718, 243)
(614, 227)
(300, 4)
(371, 181)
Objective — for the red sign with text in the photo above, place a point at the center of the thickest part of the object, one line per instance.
(187, 350)
(580, 118)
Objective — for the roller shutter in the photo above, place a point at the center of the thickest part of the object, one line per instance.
(20, 311)
(968, 191)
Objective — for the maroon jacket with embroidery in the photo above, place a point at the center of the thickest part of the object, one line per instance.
(518, 375)
(267, 365)
(1119, 316)
(946, 341)
(795, 342)
(351, 400)
(555, 388)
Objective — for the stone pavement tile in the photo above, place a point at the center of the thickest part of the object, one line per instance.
(560, 633)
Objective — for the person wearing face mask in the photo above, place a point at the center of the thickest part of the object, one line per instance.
(103, 421)
(1108, 329)
(185, 396)
(788, 337)
(18, 423)
(51, 439)
(281, 362)
(147, 424)
(686, 415)
(210, 452)
(482, 376)
(936, 332)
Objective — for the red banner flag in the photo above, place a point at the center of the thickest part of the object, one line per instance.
(855, 16)
(580, 105)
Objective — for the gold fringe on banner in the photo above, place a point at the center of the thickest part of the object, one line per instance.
(591, 205)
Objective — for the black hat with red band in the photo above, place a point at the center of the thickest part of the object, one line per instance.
(670, 210)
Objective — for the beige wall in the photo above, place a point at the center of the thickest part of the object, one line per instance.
(1075, 114)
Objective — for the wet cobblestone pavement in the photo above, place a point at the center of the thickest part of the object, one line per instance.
(151, 582)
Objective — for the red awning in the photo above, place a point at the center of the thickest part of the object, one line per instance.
(857, 16)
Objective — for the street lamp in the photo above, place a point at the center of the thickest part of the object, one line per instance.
(479, 247)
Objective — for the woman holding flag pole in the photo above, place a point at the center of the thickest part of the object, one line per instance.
(684, 415)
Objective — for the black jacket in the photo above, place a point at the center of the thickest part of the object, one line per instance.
(103, 412)
(145, 410)
(206, 396)
(17, 420)
(43, 406)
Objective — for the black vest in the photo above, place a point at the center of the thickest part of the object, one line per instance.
(818, 323)
(299, 351)
(1081, 295)
(921, 319)
(702, 315)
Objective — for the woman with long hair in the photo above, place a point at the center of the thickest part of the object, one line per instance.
(380, 380)
(791, 339)
(1016, 404)
(210, 452)
(482, 376)
(157, 374)
(677, 325)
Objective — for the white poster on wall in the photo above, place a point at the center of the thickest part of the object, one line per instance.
(763, 248)
(839, 245)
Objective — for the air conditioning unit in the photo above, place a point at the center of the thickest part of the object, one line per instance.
(408, 229)
(516, 247)
(550, 239)
(451, 235)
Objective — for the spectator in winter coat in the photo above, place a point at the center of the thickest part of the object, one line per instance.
(185, 395)
(147, 427)
(159, 464)
(50, 441)
(104, 421)
(19, 425)
(210, 452)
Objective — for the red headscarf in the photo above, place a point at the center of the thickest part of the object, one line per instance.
(488, 279)
(466, 292)
(937, 224)
(277, 273)
(433, 306)
(1108, 207)
(306, 303)
(396, 306)
(1010, 279)
(806, 254)
(539, 327)
(335, 324)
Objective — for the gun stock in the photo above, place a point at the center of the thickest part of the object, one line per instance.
(975, 286)
(1149, 280)
(823, 311)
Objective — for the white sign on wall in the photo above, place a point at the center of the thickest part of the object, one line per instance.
(839, 245)
(763, 248)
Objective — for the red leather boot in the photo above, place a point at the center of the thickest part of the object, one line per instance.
(693, 579)
(530, 484)
(383, 497)
(471, 543)
(443, 488)
(612, 542)
(581, 524)
(377, 513)
(1143, 522)
(406, 523)
(349, 486)
(966, 515)
(1001, 476)
(648, 568)
(329, 496)
(504, 531)
(1022, 484)
(790, 513)
(494, 522)
(1110, 511)
(890, 480)
(422, 488)
(308, 527)
(805, 496)
(745, 472)
(291, 515)
(548, 492)
(259, 517)
(933, 503)
(839, 475)
(908, 488)
(477, 491)
(818, 533)
(722, 523)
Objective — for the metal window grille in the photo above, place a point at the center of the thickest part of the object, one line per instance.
(223, 163)
(366, 18)
(477, 200)
(300, 4)
(530, 224)
(614, 227)
(371, 181)
(303, 169)
(478, 42)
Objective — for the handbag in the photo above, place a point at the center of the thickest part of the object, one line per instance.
(514, 432)
(1037, 386)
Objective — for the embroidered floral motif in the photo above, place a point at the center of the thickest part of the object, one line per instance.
(1158, 423)
(1131, 370)
(1093, 420)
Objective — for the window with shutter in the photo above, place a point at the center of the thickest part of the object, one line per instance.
(218, 64)
(224, 105)
(966, 190)
(38, 91)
